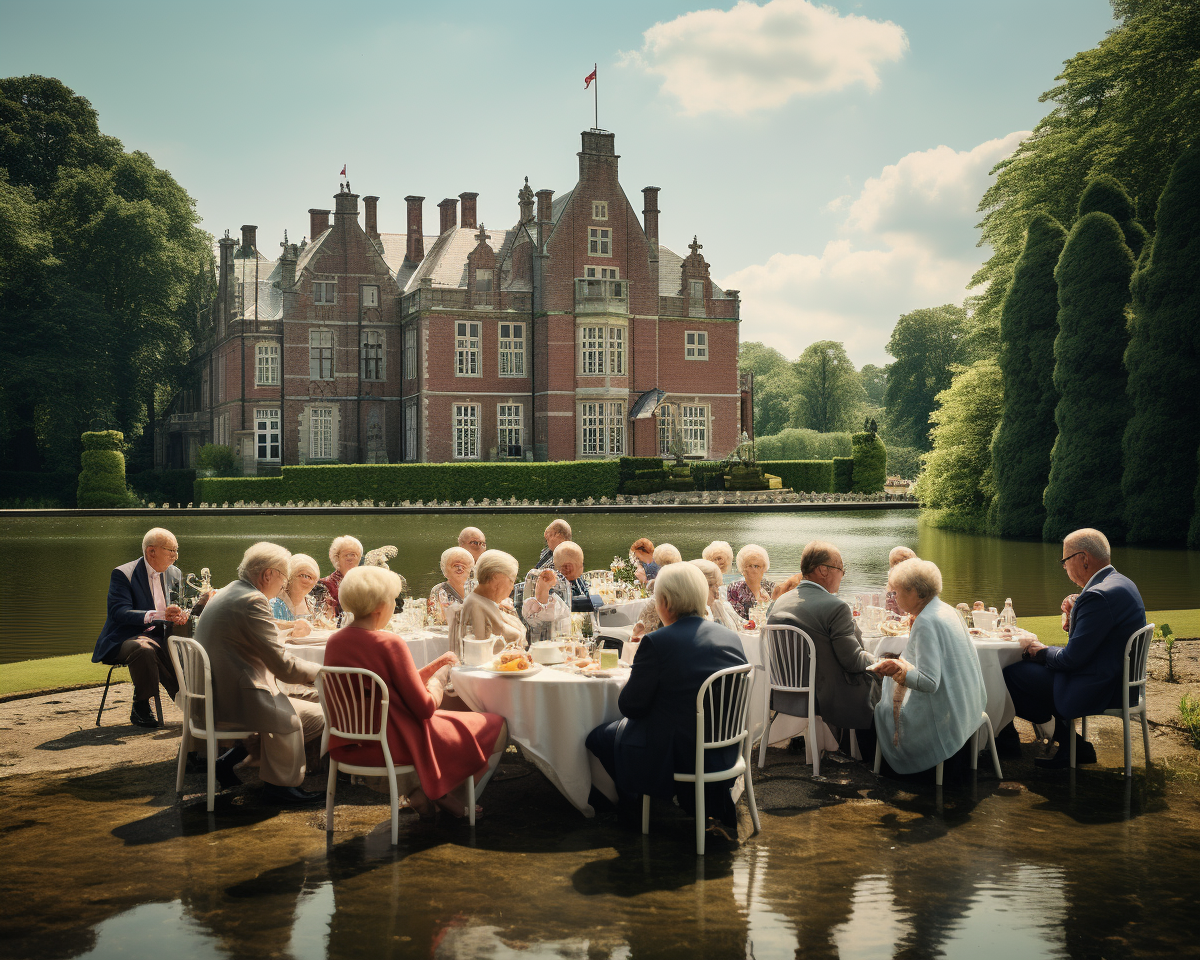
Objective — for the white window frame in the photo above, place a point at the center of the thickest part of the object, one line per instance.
(266, 434)
(695, 344)
(266, 365)
(325, 292)
(601, 349)
(465, 430)
(366, 362)
(601, 428)
(602, 273)
(615, 354)
(599, 241)
(599, 209)
(370, 295)
(467, 339)
(510, 428)
(693, 429)
(511, 349)
(320, 340)
(410, 352)
(321, 445)
(411, 454)
(666, 424)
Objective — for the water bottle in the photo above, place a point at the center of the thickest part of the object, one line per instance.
(1009, 617)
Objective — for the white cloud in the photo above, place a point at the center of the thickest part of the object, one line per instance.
(908, 241)
(755, 57)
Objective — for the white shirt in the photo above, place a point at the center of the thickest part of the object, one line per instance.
(156, 591)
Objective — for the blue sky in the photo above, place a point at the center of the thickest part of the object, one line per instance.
(830, 158)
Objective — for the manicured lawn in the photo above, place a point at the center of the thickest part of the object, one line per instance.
(1184, 623)
(54, 672)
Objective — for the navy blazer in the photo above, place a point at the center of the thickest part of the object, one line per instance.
(129, 597)
(1087, 678)
(658, 736)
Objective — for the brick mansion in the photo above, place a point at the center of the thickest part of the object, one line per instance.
(573, 334)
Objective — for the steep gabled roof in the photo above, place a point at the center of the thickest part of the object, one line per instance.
(670, 275)
(446, 258)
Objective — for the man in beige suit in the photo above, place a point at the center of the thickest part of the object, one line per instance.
(239, 634)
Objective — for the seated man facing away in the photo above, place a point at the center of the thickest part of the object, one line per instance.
(559, 531)
(248, 662)
(843, 687)
(142, 600)
(1084, 677)
(657, 737)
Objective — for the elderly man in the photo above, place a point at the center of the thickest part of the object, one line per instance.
(248, 661)
(1084, 677)
(559, 531)
(843, 687)
(473, 541)
(548, 592)
(141, 606)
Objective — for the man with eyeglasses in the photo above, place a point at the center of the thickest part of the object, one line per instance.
(142, 602)
(473, 541)
(1084, 677)
(843, 685)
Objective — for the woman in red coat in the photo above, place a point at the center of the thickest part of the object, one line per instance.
(445, 746)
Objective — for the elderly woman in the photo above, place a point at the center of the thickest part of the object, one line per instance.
(721, 553)
(657, 738)
(294, 603)
(445, 747)
(896, 556)
(481, 613)
(665, 554)
(642, 551)
(456, 564)
(752, 564)
(933, 697)
(720, 610)
(345, 553)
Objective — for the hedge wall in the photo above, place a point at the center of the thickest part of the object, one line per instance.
(389, 483)
(803, 476)
(870, 463)
(22, 489)
(164, 486)
(843, 474)
(102, 480)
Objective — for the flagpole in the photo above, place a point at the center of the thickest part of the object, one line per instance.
(596, 93)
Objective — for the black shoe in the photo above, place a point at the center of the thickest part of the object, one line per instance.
(1008, 743)
(194, 763)
(225, 764)
(291, 796)
(141, 716)
(796, 745)
(1084, 753)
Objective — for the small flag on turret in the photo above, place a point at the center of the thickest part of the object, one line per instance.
(587, 81)
(343, 173)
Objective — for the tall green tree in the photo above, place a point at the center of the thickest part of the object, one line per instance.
(927, 345)
(1163, 360)
(1106, 195)
(1025, 437)
(957, 481)
(874, 381)
(776, 388)
(831, 391)
(1093, 277)
(1128, 108)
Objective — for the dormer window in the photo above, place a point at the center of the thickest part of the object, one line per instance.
(483, 281)
(696, 289)
(599, 210)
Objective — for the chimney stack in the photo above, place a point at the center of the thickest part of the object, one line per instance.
(449, 212)
(415, 251)
(650, 213)
(345, 206)
(372, 224)
(468, 210)
(318, 223)
(249, 235)
(544, 201)
(287, 265)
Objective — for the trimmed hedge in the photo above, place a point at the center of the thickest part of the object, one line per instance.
(629, 467)
(708, 475)
(843, 474)
(803, 476)
(870, 463)
(102, 480)
(164, 486)
(396, 482)
(103, 440)
(23, 489)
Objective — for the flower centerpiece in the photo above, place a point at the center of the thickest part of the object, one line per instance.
(623, 570)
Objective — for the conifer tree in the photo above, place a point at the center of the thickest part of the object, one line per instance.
(1163, 360)
(1028, 327)
(1105, 193)
(1093, 276)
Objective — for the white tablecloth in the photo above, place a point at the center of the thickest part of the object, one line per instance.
(549, 716)
(424, 645)
(624, 614)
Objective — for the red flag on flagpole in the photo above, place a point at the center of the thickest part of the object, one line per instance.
(587, 81)
(343, 173)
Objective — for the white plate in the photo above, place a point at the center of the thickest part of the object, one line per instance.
(488, 668)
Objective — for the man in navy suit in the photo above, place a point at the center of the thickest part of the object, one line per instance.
(657, 736)
(141, 601)
(1084, 677)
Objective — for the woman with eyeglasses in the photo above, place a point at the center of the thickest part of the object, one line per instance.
(295, 602)
(752, 589)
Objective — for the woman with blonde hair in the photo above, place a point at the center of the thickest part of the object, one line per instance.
(456, 564)
(665, 554)
(295, 602)
(753, 588)
(345, 553)
(445, 746)
(720, 610)
(721, 553)
(482, 614)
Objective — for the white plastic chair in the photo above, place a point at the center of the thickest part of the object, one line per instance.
(355, 704)
(194, 672)
(722, 719)
(1133, 675)
(790, 657)
(937, 775)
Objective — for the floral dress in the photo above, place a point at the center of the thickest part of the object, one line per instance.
(741, 599)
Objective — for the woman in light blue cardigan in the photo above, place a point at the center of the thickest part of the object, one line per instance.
(933, 697)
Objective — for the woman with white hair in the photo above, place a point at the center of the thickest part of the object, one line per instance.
(721, 553)
(752, 564)
(294, 602)
(445, 746)
(665, 554)
(933, 697)
(720, 611)
(345, 553)
(482, 614)
(456, 564)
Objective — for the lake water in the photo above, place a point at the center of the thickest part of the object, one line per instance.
(56, 569)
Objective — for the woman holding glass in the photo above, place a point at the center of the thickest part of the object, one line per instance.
(752, 590)
(294, 606)
(345, 553)
(456, 564)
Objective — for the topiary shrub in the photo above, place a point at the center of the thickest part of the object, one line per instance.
(103, 440)
(1106, 195)
(708, 475)
(102, 479)
(843, 474)
(218, 458)
(870, 463)
(803, 476)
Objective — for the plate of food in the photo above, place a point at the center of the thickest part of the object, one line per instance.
(512, 663)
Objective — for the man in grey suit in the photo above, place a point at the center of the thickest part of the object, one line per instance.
(843, 687)
(239, 634)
